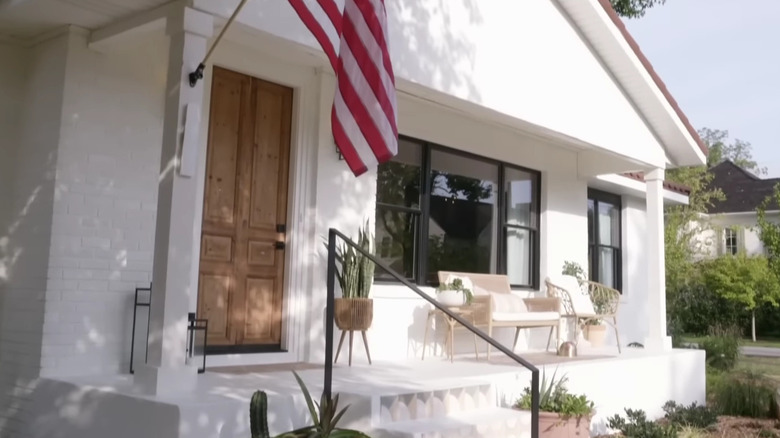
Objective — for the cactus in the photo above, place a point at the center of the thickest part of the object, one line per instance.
(258, 415)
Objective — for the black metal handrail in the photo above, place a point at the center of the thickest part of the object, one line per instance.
(329, 311)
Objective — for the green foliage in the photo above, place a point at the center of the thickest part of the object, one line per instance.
(691, 416)
(325, 416)
(746, 394)
(554, 397)
(722, 348)
(636, 425)
(634, 8)
(769, 232)
(738, 152)
(683, 223)
(694, 309)
(357, 271)
(457, 284)
(745, 280)
(574, 269)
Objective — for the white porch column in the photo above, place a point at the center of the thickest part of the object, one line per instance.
(165, 371)
(656, 269)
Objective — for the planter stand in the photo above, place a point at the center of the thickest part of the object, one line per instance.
(353, 315)
(351, 335)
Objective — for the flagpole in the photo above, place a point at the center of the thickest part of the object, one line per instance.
(198, 73)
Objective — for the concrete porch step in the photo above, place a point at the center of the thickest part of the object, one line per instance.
(480, 423)
(436, 400)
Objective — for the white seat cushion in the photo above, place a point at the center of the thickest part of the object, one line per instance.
(580, 300)
(508, 303)
(525, 316)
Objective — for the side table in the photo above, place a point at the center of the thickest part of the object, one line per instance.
(449, 345)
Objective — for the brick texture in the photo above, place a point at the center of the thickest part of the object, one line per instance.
(84, 200)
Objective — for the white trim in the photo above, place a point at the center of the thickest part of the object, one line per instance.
(639, 188)
(610, 45)
(303, 164)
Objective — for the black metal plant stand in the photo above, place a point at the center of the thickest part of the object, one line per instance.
(136, 305)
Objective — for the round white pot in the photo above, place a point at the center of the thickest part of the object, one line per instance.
(451, 297)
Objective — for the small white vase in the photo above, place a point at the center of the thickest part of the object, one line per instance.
(451, 298)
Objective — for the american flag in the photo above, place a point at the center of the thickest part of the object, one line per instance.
(355, 38)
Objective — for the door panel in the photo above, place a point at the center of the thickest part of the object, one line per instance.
(245, 210)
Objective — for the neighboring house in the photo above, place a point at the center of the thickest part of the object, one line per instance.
(731, 224)
(548, 105)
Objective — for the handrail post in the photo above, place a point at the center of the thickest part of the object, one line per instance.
(535, 404)
(329, 304)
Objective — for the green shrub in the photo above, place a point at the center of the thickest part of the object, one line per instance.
(636, 425)
(692, 309)
(722, 347)
(693, 416)
(745, 394)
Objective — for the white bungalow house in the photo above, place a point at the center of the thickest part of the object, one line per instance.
(115, 174)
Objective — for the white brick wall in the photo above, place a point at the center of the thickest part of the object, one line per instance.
(28, 230)
(104, 208)
(79, 230)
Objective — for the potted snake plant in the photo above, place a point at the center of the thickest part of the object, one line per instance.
(355, 274)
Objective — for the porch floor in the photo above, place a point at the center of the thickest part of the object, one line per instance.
(219, 406)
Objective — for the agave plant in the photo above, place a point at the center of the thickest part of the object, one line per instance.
(554, 397)
(325, 416)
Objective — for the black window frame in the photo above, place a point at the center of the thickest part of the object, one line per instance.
(616, 200)
(421, 239)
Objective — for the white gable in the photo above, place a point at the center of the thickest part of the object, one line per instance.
(520, 58)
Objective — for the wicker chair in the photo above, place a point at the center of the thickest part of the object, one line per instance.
(584, 302)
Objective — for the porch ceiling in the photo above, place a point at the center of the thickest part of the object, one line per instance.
(25, 20)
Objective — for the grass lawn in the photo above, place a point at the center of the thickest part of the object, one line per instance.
(770, 366)
(761, 342)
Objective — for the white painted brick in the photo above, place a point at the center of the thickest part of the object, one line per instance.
(94, 264)
(135, 276)
(93, 285)
(126, 204)
(76, 274)
(61, 285)
(96, 242)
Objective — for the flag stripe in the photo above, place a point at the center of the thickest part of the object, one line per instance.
(328, 44)
(365, 51)
(363, 90)
(364, 113)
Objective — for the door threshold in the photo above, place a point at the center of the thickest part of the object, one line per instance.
(213, 350)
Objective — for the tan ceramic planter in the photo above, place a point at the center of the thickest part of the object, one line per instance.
(596, 334)
(551, 425)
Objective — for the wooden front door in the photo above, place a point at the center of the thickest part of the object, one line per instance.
(245, 211)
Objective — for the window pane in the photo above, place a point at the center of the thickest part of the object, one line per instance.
(519, 256)
(591, 225)
(461, 229)
(398, 181)
(395, 238)
(609, 224)
(607, 267)
(520, 203)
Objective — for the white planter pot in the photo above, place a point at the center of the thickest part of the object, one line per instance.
(451, 298)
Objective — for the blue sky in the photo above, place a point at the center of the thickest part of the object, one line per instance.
(721, 61)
